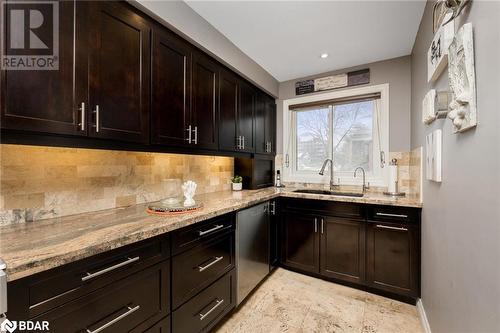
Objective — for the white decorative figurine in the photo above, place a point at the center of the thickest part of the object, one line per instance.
(189, 188)
(462, 77)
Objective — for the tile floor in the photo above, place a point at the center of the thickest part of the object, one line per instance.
(291, 302)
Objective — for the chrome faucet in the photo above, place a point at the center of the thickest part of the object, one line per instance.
(322, 171)
(365, 187)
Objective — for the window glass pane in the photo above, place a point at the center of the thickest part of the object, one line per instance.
(353, 136)
(312, 138)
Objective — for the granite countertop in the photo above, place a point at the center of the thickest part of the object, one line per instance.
(29, 248)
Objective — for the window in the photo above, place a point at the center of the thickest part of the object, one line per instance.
(351, 130)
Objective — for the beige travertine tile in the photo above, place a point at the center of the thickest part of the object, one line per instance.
(292, 302)
(84, 180)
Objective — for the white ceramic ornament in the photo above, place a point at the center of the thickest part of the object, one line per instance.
(189, 188)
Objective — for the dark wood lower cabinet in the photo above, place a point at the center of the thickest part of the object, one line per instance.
(202, 312)
(342, 249)
(300, 242)
(162, 326)
(372, 247)
(393, 258)
(130, 305)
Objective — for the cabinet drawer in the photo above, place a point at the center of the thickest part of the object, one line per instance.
(197, 268)
(203, 311)
(186, 238)
(394, 214)
(161, 327)
(47, 290)
(130, 305)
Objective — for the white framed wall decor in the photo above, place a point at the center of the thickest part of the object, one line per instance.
(433, 150)
(437, 55)
(462, 78)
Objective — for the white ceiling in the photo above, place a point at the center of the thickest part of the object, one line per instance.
(287, 37)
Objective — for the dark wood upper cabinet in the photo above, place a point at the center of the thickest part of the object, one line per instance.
(342, 248)
(205, 101)
(245, 118)
(119, 65)
(270, 124)
(171, 87)
(228, 109)
(300, 241)
(264, 118)
(393, 257)
(48, 101)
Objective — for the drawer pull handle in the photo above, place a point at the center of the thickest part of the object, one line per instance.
(392, 215)
(391, 228)
(218, 303)
(217, 227)
(117, 319)
(213, 262)
(96, 274)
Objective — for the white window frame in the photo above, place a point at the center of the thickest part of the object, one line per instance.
(290, 173)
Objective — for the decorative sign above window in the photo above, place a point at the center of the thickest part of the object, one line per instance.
(349, 79)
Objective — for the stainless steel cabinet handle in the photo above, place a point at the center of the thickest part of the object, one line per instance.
(195, 135)
(315, 225)
(96, 111)
(117, 319)
(216, 227)
(82, 116)
(218, 303)
(391, 228)
(322, 226)
(392, 215)
(102, 271)
(243, 139)
(189, 134)
(213, 262)
(273, 207)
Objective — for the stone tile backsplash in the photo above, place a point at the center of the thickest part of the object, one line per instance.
(44, 182)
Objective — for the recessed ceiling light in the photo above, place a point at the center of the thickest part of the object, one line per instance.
(324, 55)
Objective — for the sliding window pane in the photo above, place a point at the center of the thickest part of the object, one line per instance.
(353, 136)
(312, 138)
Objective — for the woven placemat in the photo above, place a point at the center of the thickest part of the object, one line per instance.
(172, 210)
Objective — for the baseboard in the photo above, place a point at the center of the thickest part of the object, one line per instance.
(423, 316)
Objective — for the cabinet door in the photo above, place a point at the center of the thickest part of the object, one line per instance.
(246, 116)
(300, 242)
(204, 107)
(228, 108)
(171, 90)
(119, 72)
(261, 145)
(270, 124)
(342, 248)
(393, 257)
(48, 101)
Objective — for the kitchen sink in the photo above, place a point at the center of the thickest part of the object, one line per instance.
(326, 192)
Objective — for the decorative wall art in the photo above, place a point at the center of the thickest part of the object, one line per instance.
(437, 55)
(435, 105)
(444, 11)
(342, 80)
(462, 78)
(433, 144)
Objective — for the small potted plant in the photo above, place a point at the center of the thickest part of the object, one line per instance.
(237, 183)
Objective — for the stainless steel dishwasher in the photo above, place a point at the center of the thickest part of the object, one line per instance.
(252, 248)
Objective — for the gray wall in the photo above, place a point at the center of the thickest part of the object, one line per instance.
(461, 216)
(396, 72)
(178, 16)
